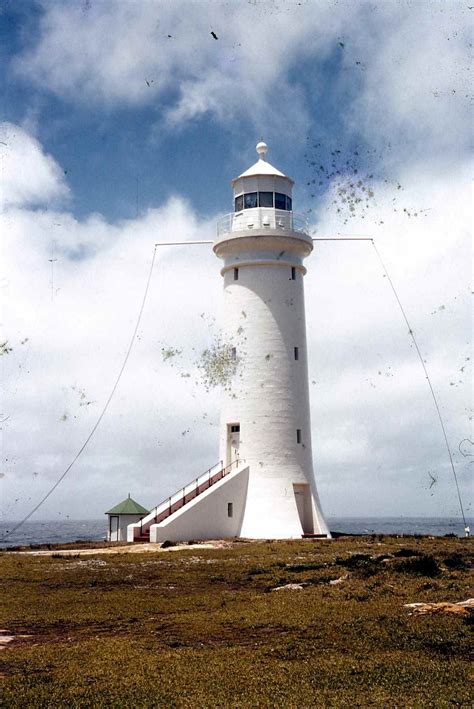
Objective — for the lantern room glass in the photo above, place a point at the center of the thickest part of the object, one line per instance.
(268, 200)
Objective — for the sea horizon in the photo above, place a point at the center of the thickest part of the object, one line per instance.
(49, 531)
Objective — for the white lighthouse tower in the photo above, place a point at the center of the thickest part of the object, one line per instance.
(264, 487)
(265, 417)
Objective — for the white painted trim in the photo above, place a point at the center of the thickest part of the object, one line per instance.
(250, 264)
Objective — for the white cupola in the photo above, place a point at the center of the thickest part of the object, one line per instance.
(262, 186)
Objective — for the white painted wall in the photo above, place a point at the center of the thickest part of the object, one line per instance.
(121, 534)
(206, 517)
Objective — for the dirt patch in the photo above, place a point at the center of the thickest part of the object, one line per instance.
(128, 549)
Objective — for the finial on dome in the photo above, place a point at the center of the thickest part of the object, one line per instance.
(261, 149)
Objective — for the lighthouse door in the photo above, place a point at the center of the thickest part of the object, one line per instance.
(233, 442)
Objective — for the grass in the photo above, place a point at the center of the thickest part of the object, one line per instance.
(201, 627)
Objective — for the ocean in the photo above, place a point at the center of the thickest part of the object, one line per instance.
(60, 532)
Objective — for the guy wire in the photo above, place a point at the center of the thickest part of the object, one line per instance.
(412, 335)
(102, 413)
(127, 355)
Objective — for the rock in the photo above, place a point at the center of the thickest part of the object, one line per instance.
(460, 608)
(335, 582)
(289, 587)
(466, 604)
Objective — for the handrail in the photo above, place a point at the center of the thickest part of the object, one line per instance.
(168, 499)
(262, 218)
(170, 505)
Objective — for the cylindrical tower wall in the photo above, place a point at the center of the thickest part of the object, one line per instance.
(264, 320)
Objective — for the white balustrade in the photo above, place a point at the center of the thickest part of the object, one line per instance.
(262, 218)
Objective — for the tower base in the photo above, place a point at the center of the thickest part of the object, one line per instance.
(228, 509)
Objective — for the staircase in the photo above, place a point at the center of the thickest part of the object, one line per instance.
(181, 498)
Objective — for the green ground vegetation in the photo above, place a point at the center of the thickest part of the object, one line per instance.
(203, 628)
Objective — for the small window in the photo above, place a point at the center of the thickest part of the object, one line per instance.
(293, 273)
(230, 509)
(239, 203)
(297, 353)
(289, 204)
(280, 200)
(233, 353)
(298, 435)
(236, 274)
(235, 428)
(265, 199)
(250, 200)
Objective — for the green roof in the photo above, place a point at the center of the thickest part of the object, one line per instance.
(127, 507)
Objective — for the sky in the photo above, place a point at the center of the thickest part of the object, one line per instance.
(122, 124)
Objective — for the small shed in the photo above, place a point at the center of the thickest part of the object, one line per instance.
(120, 516)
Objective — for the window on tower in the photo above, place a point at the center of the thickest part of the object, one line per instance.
(293, 273)
(298, 435)
(239, 203)
(265, 199)
(230, 509)
(236, 274)
(289, 203)
(250, 200)
(297, 353)
(280, 200)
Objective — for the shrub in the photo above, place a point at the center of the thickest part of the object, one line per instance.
(455, 561)
(363, 564)
(167, 544)
(423, 565)
(65, 556)
(353, 561)
(407, 552)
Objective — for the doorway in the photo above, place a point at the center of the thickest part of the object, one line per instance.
(304, 504)
(233, 442)
(114, 527)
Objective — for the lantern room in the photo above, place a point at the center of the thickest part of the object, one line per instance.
(262, 186)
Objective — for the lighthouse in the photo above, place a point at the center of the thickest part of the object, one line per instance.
(265, 416)
(264, 485)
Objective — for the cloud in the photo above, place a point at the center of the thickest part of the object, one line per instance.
(376, 431)
(30, 177)
(163, 53)
(399, 71)
(59, 380)
(415, 85)
(69, 323)
(376, 436)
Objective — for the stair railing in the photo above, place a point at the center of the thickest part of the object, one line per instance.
(168, 500)
(197, 483)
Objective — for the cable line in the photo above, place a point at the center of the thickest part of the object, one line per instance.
(132, 340)
(102, 413)
(412, 335)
